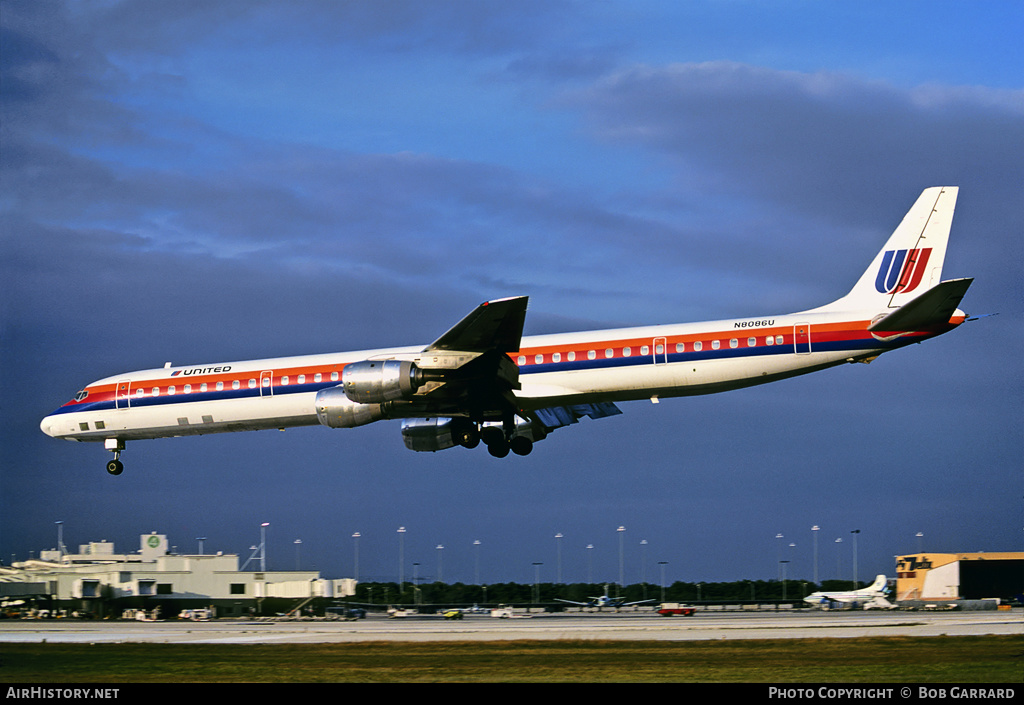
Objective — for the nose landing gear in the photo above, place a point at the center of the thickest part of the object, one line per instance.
(115, 466)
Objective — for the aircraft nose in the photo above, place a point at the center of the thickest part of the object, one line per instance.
(47, 426)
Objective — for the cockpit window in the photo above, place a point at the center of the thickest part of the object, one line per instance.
(81, 395)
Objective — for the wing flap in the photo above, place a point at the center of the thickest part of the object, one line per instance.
(558, 416)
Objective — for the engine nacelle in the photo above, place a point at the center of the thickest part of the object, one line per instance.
(377, 381)
(428, 435)
(336, 410)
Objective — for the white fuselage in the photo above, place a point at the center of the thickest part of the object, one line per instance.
(554, 370)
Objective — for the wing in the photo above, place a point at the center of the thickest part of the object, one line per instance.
(468, 370)
(492, 326)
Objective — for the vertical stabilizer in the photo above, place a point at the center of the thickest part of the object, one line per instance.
(910, 263)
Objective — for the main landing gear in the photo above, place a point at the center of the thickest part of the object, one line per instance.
(500, 440)
(499, 444)
(115, 466)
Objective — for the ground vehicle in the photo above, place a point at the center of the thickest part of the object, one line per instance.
(672, 609)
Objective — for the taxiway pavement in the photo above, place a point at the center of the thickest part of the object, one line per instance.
(702, 626)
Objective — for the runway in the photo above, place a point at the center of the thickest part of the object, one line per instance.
(702, 626)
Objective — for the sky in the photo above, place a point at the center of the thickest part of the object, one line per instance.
(202, 182)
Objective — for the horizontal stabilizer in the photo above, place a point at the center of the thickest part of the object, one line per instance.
(558, 416)
(934, 307)
(494, 325)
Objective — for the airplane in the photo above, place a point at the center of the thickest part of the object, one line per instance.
(482, 381)
(873, 595)
(606, 601)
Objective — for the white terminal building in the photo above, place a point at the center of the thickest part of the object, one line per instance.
(102, 582)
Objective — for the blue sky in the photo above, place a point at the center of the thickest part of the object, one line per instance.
(210, 181)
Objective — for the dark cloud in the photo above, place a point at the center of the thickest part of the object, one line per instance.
(139, 227)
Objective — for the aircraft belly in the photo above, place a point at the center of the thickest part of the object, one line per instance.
(189, 418)
(675, 379)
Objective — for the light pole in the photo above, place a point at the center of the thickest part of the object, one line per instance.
(558, 553)
(200, 539)
(920, 541)
(476, 550)
(536, 582)
(814, 532)
(298, 545)
(355, 553)
(622, 577)
(643, 566)
(263, 546)
(662, 564)
(440, 569)
(839, 573)
(590, 564)
(401, 559)
(782, 567)
(778, 544)
(855, 532)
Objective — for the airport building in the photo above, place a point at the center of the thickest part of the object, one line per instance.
(98, 581)
(959, 576)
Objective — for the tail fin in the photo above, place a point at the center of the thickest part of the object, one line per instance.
(910, 263)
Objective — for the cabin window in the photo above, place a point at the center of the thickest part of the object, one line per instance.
(140, 392)
(220, 386)
(571, 356)
(235, 384)
(609, 352)
(170, 389)
(733, 343)
(538, 359)
(284, 380)
(302, 379)
(769, 340)
(187, 389)
(646, 350)
(680, 347)
(557, 357)
(626, 352)
(522, 360)
(202, 387)
(778, 340)
(318, 377)
(716, 344)
(698, 346)
(334, 376)
(252, 384)
(156, 391)
(591, 354)
(659, 349)
(84, 426)
(751, 342)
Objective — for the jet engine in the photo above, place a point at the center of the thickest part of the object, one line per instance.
(336, 410)
(377, 381)
(428, 435)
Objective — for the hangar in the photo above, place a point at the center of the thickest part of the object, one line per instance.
(960, 576)
(98, 581)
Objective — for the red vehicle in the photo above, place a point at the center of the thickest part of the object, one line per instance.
(671, 609)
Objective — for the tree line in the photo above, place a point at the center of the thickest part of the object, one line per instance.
(388, 593)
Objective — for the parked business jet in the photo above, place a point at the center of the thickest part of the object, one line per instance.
(483, 381)
(872, 595)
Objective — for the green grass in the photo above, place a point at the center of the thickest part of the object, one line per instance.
(982, 659)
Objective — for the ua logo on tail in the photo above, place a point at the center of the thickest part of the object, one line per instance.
(902, 270)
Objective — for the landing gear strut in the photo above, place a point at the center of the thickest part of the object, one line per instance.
(115, 466)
